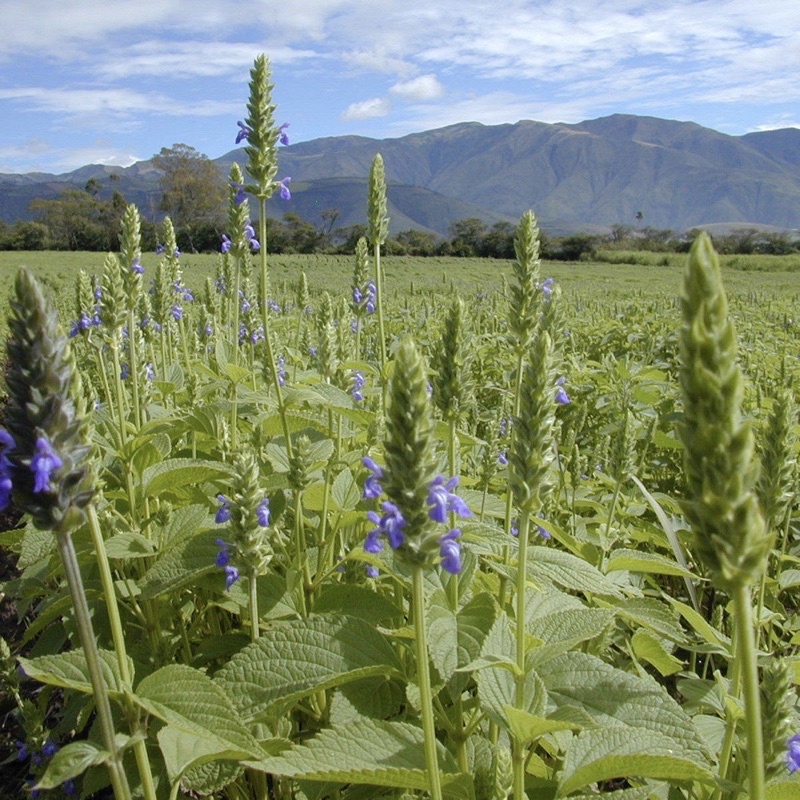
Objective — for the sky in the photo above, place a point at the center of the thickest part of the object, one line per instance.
(114, 81)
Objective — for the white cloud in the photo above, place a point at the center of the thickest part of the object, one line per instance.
(367, 109)
(124, 102)
(425, 87)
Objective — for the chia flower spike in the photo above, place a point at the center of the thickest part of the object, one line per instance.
(260, 131)
(376, 203)
(44, 455)
(730, 535)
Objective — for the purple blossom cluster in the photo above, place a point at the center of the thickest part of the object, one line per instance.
(358, 385)
(249, 235)
(793, 753)
(223, 515)
(391, 524)
(368, 300)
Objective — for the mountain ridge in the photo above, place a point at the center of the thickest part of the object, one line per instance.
(581, 176)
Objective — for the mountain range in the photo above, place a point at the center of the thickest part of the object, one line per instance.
(586, 176)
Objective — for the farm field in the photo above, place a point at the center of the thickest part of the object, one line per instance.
(355, 528)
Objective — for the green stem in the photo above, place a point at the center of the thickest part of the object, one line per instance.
(424, 681)
(133, 355)
(118, 637)
(254, 626)
(379, 309)
(519, 750)
(271, 361)
(83, 621)
(746, 655)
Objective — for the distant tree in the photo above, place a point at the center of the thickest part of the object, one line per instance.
(193, 191)
(29, 236)
(78, 221)
(345, 238)
(466, 237)
(302, 236)
(417, 243)
(93, 187)
(498, 242)
(620, 233)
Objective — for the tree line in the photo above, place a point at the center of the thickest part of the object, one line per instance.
(194, 195)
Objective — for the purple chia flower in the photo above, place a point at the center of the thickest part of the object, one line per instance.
(244, 132)
(224, 554)
(224, 511)
(136, 267)
(44, 463)
(393, 523)
(285, 193)
(562, 398)
(226, 245)
(283, 138)
(358, 385)
(281, 371)
(177, 253)
(502, 459)
(372, 572)
(231, 576)
(49, 748)
(22, 751)
(450, 551)
(372, 489)
(442, 500)
(177, 312)
(373, 543)
(241, 194)
(357, 295)
(159, 249)
(354, 325)
(547, 288)
(793, 753)
(544, 533)
(274, 307)
(68, 787)
(262, 513)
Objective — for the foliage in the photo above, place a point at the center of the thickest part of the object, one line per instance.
(528, 612)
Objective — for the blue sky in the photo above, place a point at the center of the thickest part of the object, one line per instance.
(114, 81)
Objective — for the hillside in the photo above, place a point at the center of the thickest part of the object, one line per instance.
(583, 176)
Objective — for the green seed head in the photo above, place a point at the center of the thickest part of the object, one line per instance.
(262, 141)
(41, 386)
(730, 536)
(376, 203)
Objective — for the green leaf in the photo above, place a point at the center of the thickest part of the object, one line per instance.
(71, 760)
(569, 571)
(302, 657)
(565, 630)
(182, 564)
(455, 640)
(189, 701)
(653, 614)
(69, 671)
(703, 629)
(614, 697)
(129, 545)
(605, 753)
(651, 563)
(345, 492)
(526, 728)
(364, 751)
(176, 472)
(356, 601)
(783, 788)
(648, 648)
(147, 450)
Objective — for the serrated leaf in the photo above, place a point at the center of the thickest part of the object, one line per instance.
(704, 629)
(71, 760)
(69, 671)
(129, 544)
(356, 601)
(302, 657)
(526, 728)
(455, 640)
(614, 697)
(364, 751)
(565, 630)
(650, 563)
(569, 571)
(345, 492)
(648, 648)
(653, 614)
(605, 753)
(183, 750)
(181, 564)
(176, 472)
(783, 788)
(147, 450)
(189, 701)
